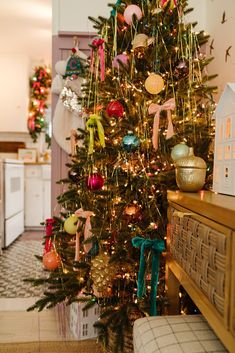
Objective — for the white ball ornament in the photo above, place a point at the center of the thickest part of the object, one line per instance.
(70, 225)
(179, 151)
(130, 11)
(154, 83)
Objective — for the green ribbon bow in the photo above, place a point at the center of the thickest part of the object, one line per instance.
(157, 246)
(95, 121)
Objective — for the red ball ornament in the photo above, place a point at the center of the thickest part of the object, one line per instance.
(115, 109)
(95, 182)
(51, 260)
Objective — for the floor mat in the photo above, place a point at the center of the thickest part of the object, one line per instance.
(17, 263)
(87, 346)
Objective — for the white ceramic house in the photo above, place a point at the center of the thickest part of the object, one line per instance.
(81, 321)
(224, 159)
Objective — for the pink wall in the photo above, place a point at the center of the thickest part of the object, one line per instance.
(61, 49)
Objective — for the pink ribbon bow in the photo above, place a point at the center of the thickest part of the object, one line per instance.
(155, 108)
(99, 44)
(73, 141)
(87, 231)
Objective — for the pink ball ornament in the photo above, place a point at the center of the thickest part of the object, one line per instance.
(95, 182)
(130, 11)
(123, 58)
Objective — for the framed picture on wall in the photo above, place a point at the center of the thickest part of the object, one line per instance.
(28, 155)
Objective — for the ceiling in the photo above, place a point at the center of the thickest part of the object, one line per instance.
(25, 29)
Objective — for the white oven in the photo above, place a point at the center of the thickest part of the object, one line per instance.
(12, 200)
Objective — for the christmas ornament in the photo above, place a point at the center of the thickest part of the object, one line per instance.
(95, 120)
(154, 83)
(70, 100)
(132, 209)
(48, 242)
(181, 69)
(130, 11)
(115, 109)
(74, 176)
(123, 58)
(31, 124)
(74, 66)
(95, 182)
(141, 40)
(190, 172)
(179, 151)
(98, 48)
(172, 3)
(51, 260)
(157, 246)
(132, 212)
(102, 274)
(70, 225)
(130, 142)
(156, 109)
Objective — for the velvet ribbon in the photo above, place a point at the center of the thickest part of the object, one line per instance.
(99, 44)
(156, 109)
(87, 232)
(113, 12)
(48, 241)
(95, 120)
(157, 246)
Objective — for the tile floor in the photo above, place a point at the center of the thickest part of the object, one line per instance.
(17, 325)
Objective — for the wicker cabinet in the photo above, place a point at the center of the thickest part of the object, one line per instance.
(201, 257)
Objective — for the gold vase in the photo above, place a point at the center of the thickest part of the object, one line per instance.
(190, 173)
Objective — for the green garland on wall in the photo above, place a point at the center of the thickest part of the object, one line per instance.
(40, 84)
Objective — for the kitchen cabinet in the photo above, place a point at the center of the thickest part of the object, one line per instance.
(37, 194)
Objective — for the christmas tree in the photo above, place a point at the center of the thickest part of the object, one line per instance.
(146, 91)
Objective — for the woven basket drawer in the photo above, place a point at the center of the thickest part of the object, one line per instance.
(201, 251)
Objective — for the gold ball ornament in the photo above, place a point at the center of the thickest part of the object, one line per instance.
(190, 173)
(154, 83)
(102, 274)
(70, 225)
(132, 209)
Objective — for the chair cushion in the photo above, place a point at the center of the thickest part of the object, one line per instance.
(175, 334)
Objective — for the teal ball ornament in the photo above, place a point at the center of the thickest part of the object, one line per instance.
(179, 151)
(130, 142)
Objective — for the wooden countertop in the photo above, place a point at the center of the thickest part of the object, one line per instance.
(217, 207)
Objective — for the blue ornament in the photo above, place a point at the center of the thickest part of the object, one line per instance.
(130, 142)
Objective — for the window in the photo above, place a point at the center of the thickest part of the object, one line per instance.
(84, 330)
(97, 310)
(85, 313)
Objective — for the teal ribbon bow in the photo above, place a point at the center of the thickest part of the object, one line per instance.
(113, 12)
(157, 246)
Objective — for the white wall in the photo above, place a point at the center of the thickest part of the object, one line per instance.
(72, 15)
(224, 36)
(14, 90)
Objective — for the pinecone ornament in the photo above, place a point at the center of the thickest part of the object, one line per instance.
(102, 274)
